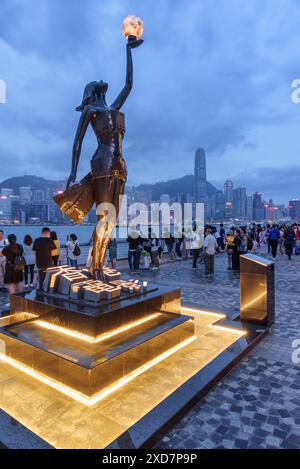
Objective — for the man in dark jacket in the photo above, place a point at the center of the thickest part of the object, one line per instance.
(43, 248)
(289, 239)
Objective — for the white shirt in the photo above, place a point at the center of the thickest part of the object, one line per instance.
(210, 244)
(196, 241)
(71, 246)
(3, 243)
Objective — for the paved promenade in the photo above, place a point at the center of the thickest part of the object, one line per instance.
(258, 404)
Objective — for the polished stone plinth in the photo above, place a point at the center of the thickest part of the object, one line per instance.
(88, 349)
(257, 288)
(128, 417)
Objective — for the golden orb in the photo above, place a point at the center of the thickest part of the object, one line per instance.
(133, 26)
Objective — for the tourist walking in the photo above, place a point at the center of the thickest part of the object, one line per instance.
(29, 256)
(154, 252)
(289, 239)
(55, 253)
(178, 242)
(112, 253)
(43, 247)
(186, 243)
(169, 240)
(274, 236)
(210, 247)
(3, 243)
(263, 241)
(229, 248)
(73, 250)
(297, 235)
(134, 243)
(236, 250)
(195, 245)
(222, 234)
(13, 276)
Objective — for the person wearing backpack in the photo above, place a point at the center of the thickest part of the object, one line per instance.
(73, 250)
(274, 237)
(15, 264)
(29, 256)
(289, 238)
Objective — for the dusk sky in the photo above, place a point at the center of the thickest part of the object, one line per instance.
(211, 73)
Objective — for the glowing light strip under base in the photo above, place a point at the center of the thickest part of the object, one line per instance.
(207, 313)
(228, 329)
(82, 398)
(90, 339)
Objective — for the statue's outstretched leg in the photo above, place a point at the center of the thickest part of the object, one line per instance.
(107, 192)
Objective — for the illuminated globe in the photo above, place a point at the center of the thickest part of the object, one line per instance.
(133, 26)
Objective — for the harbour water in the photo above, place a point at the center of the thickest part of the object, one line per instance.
(83, 232)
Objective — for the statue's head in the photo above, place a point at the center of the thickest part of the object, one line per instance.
(91, 92)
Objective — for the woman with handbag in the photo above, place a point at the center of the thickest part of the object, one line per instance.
(29, 256)
(15, 264)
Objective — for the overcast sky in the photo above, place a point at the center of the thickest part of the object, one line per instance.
(211, 73)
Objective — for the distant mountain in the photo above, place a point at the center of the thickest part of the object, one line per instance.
(183, 185)
(34, 182)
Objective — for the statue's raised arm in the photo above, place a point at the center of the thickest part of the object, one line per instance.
(120, 100)
(105, 183)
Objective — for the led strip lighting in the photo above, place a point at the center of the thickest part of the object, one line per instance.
(90, 339)
(82, 398)
(207, 313)
(228, 329)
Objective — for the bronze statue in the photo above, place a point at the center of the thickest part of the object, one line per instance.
(106, 181)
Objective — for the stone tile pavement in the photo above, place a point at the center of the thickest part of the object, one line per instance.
(257, 405)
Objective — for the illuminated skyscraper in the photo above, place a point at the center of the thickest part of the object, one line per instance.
(228, 195)
(200, 176)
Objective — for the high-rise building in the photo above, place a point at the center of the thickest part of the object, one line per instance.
(228, 195)
(249, 213)
(239, 203)
(200, 176)
(39, 195)
(165, 199)
(6, 192)
(5, 209)
(15, 209)
(25, 195)
(220, 206)
(294, 210)
(258, 207)
(39, 210)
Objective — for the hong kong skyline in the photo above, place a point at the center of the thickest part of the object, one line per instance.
(231, 75)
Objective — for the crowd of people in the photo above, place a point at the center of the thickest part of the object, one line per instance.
(202, 246)
(18, 262)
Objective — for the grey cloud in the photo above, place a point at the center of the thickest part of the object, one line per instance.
(208, 73)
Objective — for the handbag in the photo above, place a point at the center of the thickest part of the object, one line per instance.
(19, 263)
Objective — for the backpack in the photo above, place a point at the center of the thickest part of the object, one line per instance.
(19, 263)
(77, 250)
